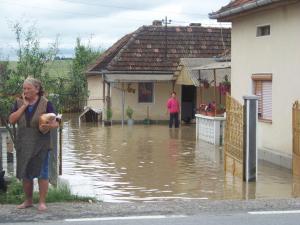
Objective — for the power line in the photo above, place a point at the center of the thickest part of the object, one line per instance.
(100, 5)
(136, 9)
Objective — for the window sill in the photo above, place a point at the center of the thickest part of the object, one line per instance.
(265, 121)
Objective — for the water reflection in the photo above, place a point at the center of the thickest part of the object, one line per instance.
(155, 163)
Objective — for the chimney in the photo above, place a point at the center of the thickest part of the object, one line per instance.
(195, 24)
(157, 23)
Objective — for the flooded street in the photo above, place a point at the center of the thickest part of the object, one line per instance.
(152, 163)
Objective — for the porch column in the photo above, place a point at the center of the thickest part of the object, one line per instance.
(250, 140)
(215, 91)
(173, 85)
(123, 103)
(103, 90)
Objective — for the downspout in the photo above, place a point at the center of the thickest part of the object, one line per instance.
(245, 7)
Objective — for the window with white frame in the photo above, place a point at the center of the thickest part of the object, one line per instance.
(263, 89)
(146, 92)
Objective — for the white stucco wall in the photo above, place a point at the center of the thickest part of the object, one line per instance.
(278, 54)
(95, 89)
(157, 110)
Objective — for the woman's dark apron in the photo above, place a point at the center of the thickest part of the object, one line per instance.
(31, 145)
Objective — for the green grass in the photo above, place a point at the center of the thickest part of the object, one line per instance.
(57, 68)
(15, 195)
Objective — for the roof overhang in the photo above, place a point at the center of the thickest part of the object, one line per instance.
(214, 66)
(229, 13)
(185, 75)
(93, 73)
(128, 78)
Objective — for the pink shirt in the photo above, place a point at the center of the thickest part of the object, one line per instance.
(173, 105)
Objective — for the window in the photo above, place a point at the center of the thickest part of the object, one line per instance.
(263, 89)
(263, 31)
(145, 92)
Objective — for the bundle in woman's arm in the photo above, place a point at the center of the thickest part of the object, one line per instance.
(49, 121)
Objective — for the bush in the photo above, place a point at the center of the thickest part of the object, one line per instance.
(129, 112)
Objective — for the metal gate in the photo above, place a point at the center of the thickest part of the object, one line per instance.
(296, 139)
(233, 137)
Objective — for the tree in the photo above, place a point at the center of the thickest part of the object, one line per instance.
(7, 92)
(31, 62)
(32, 59)
(84, 55)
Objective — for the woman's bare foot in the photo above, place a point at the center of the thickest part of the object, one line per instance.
(25, 204)
(42, 207)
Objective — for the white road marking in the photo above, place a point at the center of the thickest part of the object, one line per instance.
(274, 212)
(124, 218)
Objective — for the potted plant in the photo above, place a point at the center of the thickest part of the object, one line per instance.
(129, 112)
(224, 86)
(220, 109)
(108, 117)
(204, 82)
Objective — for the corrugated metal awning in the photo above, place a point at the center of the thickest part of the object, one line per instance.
(186, 76)
(212, 66)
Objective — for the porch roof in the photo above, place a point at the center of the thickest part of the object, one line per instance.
(184, 73)
(126, 78)
(212, 66)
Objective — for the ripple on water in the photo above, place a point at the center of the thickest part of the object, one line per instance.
(154, 163)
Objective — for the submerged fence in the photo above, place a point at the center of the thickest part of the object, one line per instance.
(234, 137)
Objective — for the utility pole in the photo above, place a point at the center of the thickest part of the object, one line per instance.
(166, 22)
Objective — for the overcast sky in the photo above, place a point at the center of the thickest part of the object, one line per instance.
(101, 21)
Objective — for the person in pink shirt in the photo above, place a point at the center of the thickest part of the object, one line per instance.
(174, 109)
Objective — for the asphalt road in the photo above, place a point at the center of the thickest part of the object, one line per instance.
(189, 212)
(278, 218)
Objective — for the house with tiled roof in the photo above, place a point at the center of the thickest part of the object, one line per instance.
(139, 69)
(265, 61)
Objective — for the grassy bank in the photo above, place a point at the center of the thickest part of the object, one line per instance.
(15, 195)
(57, 68)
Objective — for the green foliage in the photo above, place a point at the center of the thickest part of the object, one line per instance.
(31, 62)
(15, 194)
(32, 59)
(66, 86)
(226, 80)
(63, 194)
(108, 114)
(84, 55)
(129, 112)
(7, 88)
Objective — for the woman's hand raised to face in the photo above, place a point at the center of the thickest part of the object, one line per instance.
(25, 101)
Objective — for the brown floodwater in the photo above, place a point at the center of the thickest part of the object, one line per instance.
(153, 162)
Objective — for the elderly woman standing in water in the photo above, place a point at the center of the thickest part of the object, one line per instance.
(32, 145)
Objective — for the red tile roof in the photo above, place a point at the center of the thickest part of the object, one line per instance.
(145, 49)
(235, 3)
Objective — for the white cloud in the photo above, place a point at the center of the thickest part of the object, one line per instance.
(106, 20)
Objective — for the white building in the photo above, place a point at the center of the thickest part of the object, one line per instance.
(265, 60)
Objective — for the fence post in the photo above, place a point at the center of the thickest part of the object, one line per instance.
(53, 172)
(9, 149)
(250, 140)
(1, 165)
